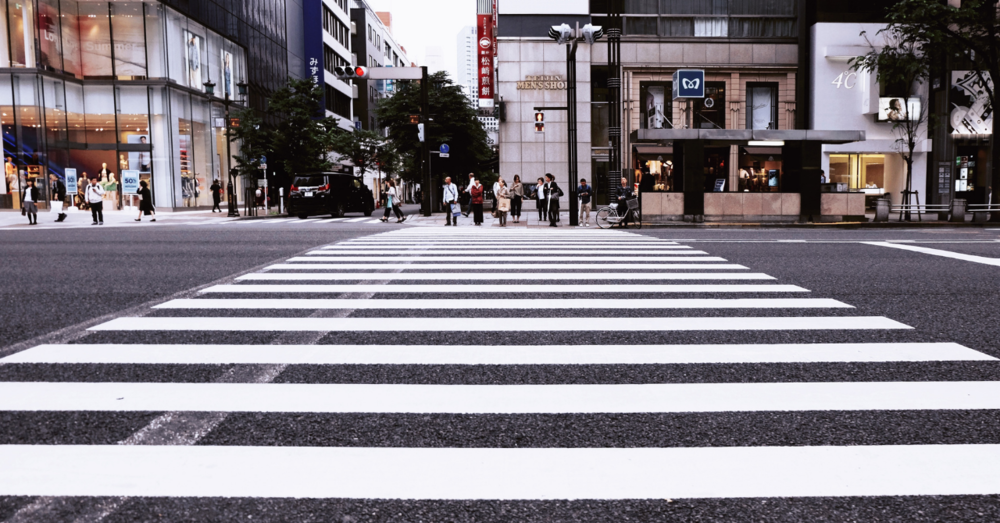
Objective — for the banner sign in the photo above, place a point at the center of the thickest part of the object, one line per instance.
(71, 187)
(130, 182)
(485, 56)
(313, 33)
(971, 111)
(689, 83)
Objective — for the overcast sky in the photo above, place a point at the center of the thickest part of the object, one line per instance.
(419, 24)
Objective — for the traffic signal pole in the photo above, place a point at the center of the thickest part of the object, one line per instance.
(425, 151)
(574, 210)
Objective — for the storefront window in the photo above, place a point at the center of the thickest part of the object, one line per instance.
(760, 169)
(20, 16)
(859, 171)
(656, 103)
(72, 61)
(180, 111)
(9, 187)
(49, 36)
(201, 144)
(710, 113)
(95, 40)
(162, 138)
(28, 122)
(133, 131)
(762, 106)
(55, 111)
(156, 49)
(76, 122)
(654, 171)
(130, 40)
(99, 105)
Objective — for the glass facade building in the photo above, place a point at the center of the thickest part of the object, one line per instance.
(106, 88)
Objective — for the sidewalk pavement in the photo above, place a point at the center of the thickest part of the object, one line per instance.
(528, 220)
(12, 220)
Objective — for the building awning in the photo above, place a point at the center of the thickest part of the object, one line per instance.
(762, 151)
(745, 136)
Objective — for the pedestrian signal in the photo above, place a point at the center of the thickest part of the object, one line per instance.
(539, 122)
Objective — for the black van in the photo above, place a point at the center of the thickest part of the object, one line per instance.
(329, 193)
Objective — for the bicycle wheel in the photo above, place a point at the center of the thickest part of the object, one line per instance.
(603, 218)
(636, 220)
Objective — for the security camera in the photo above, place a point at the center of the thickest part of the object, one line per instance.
(592, 33)
(562, 34)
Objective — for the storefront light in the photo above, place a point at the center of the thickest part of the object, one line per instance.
(766, 143)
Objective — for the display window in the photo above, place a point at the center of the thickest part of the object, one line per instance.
(861, 172)
(710, 113)
(654, 169)
(656, 104)
(760, 169)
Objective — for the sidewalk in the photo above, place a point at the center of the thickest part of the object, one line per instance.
(12, 220)
(528, 221)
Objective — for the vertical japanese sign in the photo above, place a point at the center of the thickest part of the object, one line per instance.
(314, 47)
(485, 60)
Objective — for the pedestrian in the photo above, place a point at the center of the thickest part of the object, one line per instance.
(145, 202)
(496, 189)
(538, 194)
(468, 190)
(216, 189)
(29, 199)
(392, 202)
(450, 199)
(584, 192)
(476, 192)
(624, 194)
(503, 202)
(552, 194)
(59, 195)
(95, 198)
(516, 196)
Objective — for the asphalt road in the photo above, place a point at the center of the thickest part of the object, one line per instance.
(61, 279)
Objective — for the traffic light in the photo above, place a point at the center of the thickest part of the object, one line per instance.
(539, 122)
(351, 73)
(420, 132)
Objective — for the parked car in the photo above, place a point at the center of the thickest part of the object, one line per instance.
(329, 193)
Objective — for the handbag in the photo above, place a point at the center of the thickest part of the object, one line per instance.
(503, 205)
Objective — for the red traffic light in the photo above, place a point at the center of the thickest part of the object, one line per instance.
(361, 72)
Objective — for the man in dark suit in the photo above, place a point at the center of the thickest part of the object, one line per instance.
(552, 195)
(59, 195)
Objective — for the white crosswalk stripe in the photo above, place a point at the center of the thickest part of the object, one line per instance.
(553, 337)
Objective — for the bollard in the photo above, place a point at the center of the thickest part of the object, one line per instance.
(958, 210)
(882, 206)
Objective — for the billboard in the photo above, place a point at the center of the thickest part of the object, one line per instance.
(485, 56)
(313, 29)
(971, 111)
(897, 109)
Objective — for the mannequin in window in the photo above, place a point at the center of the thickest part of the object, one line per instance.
(744, 180)
(10, 173)
(122, 162)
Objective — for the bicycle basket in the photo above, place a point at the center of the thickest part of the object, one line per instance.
(633, 204)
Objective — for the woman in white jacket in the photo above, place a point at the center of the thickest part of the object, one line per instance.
(392, 201)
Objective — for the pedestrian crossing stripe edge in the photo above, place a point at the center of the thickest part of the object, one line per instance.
(385, 264)
(502, 304)
(262, 324)
(507, 289)
(494, 355)
(481, 276)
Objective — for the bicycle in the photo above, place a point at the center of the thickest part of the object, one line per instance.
(609, 216)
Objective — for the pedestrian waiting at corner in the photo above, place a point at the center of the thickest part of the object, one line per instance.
(516, 197)
(584, 192)
(503, 202)
(449, 197)
(29, 202)
(476, 191)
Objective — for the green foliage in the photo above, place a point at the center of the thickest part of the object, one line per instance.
(454, 123)
(253, 140)
(361, 147)
(303, 137)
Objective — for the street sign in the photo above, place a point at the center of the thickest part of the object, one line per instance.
(130, 182)
(263, 159)
(444, 148)
(689, 83)
(445, 155)
(263, 166)
(71, 186)
(357, 124)
(262, 182)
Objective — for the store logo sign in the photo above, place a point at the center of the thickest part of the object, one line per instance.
(485, 43)
(542, 83)
(689, 83)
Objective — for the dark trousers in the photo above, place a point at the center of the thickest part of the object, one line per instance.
(623, 212)
(97, 211)
(216, 206)
(395, 209)
(553, 215)
(515, 207)
(477, 212)
(541, 210)
(448, 216)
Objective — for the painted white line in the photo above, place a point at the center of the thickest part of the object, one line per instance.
(502, 289)
(479, 276)
(498, 474)
(495, 355)
(937, 252)
(518, 245)
(494, 258)
(273, 221)
(329, 220)
(504, 304)
(310, 220)
(498, 250)
(521, 325)
(499, 399)
(355, 220)
(377, 265)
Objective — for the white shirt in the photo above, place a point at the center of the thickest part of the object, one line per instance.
(95, 194)
(27, 195)
(469, 188)
(450, 193)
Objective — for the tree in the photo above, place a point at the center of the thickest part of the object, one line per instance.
(303, 136)
(361, 147)
(253, 139)
(452, 121)
(972, 31)
(900, 62)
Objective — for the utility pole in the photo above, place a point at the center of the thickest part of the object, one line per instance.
(614, 94)
(425, 151)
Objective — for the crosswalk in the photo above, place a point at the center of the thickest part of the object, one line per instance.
(444, 365)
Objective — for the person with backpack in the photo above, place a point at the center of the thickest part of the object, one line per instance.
(95, 198)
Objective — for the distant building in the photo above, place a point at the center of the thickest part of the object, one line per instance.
(466, 61)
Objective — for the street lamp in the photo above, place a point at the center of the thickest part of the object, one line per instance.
(563, 34)
(227, 101)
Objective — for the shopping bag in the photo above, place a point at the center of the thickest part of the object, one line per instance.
(57, 206)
